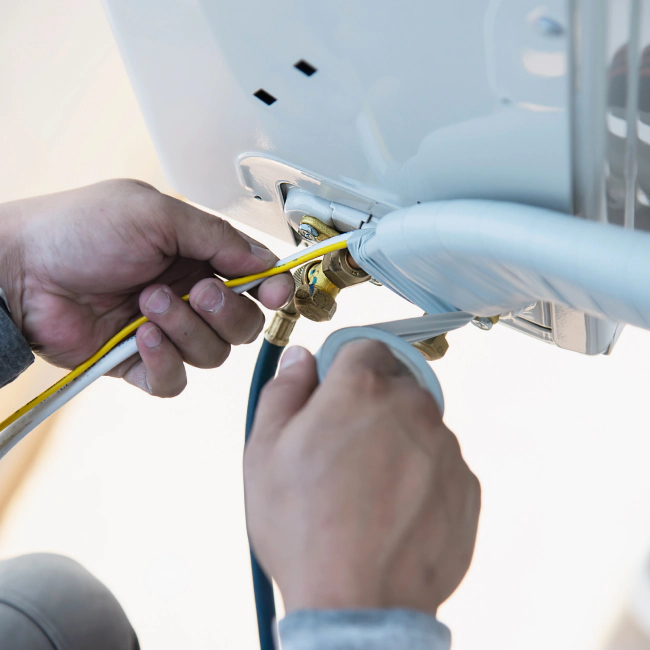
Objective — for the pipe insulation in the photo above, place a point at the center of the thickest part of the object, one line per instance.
(492, 257)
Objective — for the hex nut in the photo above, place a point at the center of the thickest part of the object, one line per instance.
(340, 272)
(314, 303)
(434, 348)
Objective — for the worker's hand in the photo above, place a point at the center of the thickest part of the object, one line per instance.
(80, 265)
(357, 495)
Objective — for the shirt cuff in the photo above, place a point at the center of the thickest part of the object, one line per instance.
(15, 353)
(375, 629)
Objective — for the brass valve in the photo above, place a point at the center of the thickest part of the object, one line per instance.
(434, 348)
(319, 283)
(315, 296)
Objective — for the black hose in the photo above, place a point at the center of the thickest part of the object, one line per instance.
(265, 369)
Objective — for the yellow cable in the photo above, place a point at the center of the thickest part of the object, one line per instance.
(129, 329)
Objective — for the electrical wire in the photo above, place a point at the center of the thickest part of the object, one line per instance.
(11, 435)
(239, 285)
(17, 430)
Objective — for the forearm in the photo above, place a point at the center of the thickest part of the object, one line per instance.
(374, 629)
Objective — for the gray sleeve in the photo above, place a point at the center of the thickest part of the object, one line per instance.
(372, 629)
(15, 354)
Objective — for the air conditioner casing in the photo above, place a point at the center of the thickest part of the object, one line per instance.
(380, 105)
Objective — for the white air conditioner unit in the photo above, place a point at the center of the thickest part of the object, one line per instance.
(376, 105)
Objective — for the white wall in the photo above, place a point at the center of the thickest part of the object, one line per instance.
(147, 493)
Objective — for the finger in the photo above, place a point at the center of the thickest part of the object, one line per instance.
(161, 371)
(284, 396)
(276, 291)
(196, 341)
(236, 319)
(202, 236)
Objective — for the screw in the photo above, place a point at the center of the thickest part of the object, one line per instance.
(548, 26)
(483, 323)
(308, 232)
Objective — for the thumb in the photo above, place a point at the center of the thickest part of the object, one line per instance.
(283, 397)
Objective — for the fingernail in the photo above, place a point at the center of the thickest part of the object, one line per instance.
(264, 254)
(152, 337)
(159, 301)
(211, 298)
(291, 356)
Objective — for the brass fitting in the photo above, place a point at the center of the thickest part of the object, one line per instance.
(433, 349)
(315, 297)
(339, 270)
(314, 229)
(319, 283)
(282, 324)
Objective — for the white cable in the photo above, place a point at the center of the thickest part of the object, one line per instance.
(17, 430)
(294, 256)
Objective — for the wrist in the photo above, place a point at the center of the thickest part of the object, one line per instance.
(333, 593)
(10, 261)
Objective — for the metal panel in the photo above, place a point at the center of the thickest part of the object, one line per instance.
(413, 102)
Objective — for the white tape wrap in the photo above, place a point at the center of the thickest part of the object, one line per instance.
(491, 257)
(402, 350)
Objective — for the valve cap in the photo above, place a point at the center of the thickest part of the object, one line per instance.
(314, 303)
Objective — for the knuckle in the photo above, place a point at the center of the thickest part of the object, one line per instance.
(213, 356)
(142, 184)
(245, 323)
(277, 387)
(274, 387)
(419, 400)
(219, 227)
(173, 390)
(136, 189)
(451, 445)
(475, 486)
(412, 403)
(256, 331)
(441, 442)
(357, 352)
(173, 387)
(368, 381)
(155, 202)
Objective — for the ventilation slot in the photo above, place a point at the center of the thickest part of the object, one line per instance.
(267, 98)
(305, 67)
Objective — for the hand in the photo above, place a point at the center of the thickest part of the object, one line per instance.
(80, 265)
(357, 495)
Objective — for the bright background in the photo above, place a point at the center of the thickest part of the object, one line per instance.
(147, 493)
